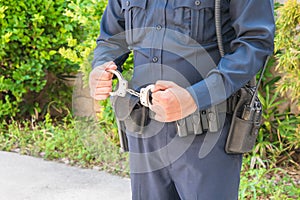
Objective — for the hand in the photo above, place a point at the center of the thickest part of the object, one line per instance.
(100, 81)
(171, 102)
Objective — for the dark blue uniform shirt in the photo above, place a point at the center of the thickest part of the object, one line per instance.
(176, 40)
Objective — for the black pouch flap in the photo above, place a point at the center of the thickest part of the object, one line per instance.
(123, 106)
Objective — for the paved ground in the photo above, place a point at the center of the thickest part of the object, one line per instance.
(28, 178)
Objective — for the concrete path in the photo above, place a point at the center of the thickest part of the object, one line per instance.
(28, 178)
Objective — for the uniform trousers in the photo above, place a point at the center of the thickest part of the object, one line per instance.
(166, 167)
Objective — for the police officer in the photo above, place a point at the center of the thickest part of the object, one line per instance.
(175, 48)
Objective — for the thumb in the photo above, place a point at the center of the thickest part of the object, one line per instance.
(162, 85)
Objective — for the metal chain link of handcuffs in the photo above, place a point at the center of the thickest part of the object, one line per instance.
(122, 89)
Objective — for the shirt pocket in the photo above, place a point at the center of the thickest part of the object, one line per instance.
(196, 19)
(135, 17)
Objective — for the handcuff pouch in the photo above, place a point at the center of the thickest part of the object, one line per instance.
(131, 112)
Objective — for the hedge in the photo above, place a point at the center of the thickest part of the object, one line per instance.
(31, 68)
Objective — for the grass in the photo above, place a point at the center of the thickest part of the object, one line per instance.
(75, 142)
(85, 143)
(262, 184)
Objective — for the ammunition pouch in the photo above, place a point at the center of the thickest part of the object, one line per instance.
(205, 120)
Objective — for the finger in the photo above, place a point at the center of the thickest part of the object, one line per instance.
(103, 76)
(98, 71)
(162, 85)
(165, 113)
(158, 95)
(163, 97)
(100, 97)
(103, 66)
(111, 66)
(100, 94)
(104, 84)
(156, 108)
(163, 107)
(159, 114)
(95, 86)
(97, 75)
(102, 90)
(154, 102)
(100, 81)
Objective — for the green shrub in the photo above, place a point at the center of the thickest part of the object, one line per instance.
(287, 49)
(88, 14)
(278, 141)
(31, 69)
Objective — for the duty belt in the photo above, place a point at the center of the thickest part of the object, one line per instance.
(196, 123)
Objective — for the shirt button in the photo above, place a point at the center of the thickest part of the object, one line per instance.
(155, 59)
(158, 27)
(127, 3)
(197, 3)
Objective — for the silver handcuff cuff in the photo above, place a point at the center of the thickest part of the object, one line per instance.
(143, 95)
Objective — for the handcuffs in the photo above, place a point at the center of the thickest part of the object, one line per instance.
(143, 95)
